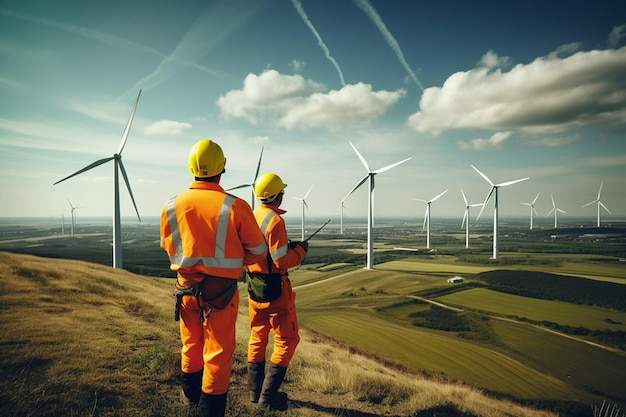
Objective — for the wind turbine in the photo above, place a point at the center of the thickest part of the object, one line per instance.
(251, 185)
(597, 200)
(466, 218)
(427, 216)
(494, 190)
(73, 224)
(556, 211)
(303, 199)
(532, 209)
(342, 208)
(117, 166)
(370, 207)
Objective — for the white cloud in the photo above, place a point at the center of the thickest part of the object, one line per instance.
(492, 60)
(553, 142)
(296, 66)
(495, 141)
(292, 102)
(352, 105)
(616, 36)
(167, 127)
(548, 95)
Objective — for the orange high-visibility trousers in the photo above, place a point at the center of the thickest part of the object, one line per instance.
(209, 346)
(279, 317)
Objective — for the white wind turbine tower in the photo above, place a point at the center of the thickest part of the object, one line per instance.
(597, 200)
(494, 187)
(466, 218)
(304, 204)
(342, 208)
(251, 185)
(117, 166)
(73, 214)
(556, 212)
(370, 207)
(427, 216)
(532, 209)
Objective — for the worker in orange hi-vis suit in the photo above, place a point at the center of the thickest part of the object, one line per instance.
(271, 300)
(209, 236)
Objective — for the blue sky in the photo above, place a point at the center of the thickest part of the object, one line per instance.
(535, 89)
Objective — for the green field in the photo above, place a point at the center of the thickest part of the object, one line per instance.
(593, 318)
(373, 310)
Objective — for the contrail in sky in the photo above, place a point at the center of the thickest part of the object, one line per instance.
(369, 10)
(218, 21)
(97, 36)
(302, 13)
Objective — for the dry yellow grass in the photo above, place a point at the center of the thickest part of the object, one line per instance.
(79, 339)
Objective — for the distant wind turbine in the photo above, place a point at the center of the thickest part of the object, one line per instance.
(117, 166)
(342, 208)
(597, 200)
(251, 185)
(494, 190)
(466, 218)
(556, 212)
(370, 207)
(73, 213)
(304, 204)
(532, 209)
(427, 216)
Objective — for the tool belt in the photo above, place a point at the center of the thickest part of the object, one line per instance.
(210, 293)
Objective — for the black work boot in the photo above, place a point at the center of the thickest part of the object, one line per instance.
(270, 397)
(212, 405)
(256, 375)
(190, 392)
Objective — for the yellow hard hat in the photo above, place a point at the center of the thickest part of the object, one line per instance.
(268, 186)
(206, 159)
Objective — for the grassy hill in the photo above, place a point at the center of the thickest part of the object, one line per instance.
(81, 339)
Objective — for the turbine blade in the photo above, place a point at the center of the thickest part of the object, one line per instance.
(305, 205)
(483, 175)
(425, 216)
(590, 203)
(550, 212)
(439, 196)
(356, 186)
(600, 190)
(464, 198)
(128, 186)
(561, 211)
(127, 130)
(504, 184)
(485, 202)
(535, 200)
(87, 168)
(464, 218)
(604, 207)
(363, 161)
(535, 210)
(307, 193)
(552, 197)
(388, 167)
(256, 174)
(238, 187)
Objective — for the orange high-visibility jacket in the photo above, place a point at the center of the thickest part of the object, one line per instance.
(273, 227)
(206, 230)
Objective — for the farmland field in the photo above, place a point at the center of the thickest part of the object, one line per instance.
(594, 318)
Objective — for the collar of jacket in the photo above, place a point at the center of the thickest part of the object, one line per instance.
(276, 209)
(204, 185)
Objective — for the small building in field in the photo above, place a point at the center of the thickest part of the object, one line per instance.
(455, 280)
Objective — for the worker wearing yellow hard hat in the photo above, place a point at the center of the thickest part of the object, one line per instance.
(209, 236)
(271, 299)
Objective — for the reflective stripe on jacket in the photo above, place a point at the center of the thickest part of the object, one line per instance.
(273, 227)
(205, 230)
